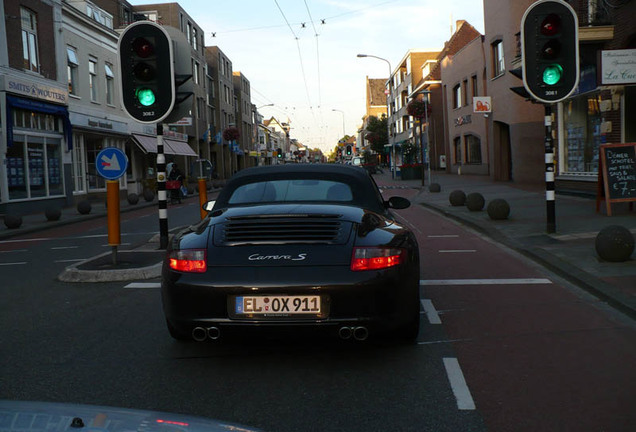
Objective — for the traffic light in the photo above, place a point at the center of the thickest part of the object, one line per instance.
(146, 72)
(550, 50)
(348, 150)
(279, 153)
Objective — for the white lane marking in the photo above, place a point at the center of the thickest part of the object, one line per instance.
(64, 247)
(13, 263)
(70, 260)
(120, 244)
(144, 285)
(25, 240)
(431, 313)
(443, 236)
(456, 250)
(15, 250)
(458, 384)
(521, 281)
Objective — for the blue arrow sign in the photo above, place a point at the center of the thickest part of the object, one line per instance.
(111, 163)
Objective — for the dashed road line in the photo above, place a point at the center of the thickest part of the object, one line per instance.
(70, 260)
(443, 236)
(519, 281)
(458, 384)
(431, 313)
(456, 250)
(144, 285)
(64, 247)
(13, 263)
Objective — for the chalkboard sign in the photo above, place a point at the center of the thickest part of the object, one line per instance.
(618, 170)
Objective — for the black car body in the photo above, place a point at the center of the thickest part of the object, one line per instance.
(295, 246)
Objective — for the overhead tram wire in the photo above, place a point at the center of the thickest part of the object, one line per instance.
(311, 19)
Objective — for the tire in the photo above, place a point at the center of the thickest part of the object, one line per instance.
(176, 333)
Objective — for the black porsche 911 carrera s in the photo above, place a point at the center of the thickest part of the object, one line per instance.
(297, 245)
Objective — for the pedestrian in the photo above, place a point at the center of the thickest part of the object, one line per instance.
(176, 176)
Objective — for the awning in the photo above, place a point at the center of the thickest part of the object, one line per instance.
(148, 144)
(178, 148)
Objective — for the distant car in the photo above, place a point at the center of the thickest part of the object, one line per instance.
(295, 246)
(356, 161)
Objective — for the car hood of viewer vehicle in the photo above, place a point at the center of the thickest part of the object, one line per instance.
(289, 234)
(45, 416)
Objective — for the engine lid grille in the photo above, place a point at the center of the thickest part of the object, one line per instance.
(278, 229)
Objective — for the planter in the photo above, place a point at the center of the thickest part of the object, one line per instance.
(411, 173)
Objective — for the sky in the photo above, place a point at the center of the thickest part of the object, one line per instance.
(301, 55)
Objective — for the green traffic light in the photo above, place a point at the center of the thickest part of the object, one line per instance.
(145, 96)
(552, 74)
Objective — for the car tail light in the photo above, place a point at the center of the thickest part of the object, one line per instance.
(376, 258)
(188, 260)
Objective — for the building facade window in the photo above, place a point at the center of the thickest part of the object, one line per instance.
(92, 78)
(582, 127)
(457, 96)
(473, 146)
(195, 72)
(457, 150)
(72, 71)
(473, 81)
(499, 64)
(29, 40)
(110, 84)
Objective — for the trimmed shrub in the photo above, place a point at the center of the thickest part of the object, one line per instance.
(614, 243)
(498, 209)
(434, 187)
(84, 207)
(457, 198)
(12, 221)
(475, 201)
(52, 213)
(133, 198)
(149, 195)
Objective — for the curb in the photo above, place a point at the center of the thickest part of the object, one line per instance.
(73, 273)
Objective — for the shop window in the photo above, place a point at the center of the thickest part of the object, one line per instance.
(582, 124)
(29, 40)
(34, 167)
(473, 145)
(72, 71)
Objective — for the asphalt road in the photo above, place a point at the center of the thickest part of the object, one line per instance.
(503, 345)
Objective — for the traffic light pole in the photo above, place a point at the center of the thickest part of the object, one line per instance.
(161, 190)
(549, 171)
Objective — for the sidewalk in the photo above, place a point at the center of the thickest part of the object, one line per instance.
(570, 252)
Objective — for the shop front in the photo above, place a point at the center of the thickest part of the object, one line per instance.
(35, 145)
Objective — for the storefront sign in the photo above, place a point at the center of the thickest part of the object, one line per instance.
(482, 104)
(618, 67)
(36, 90)
(465, 119)
(185, 121)
(91, 122)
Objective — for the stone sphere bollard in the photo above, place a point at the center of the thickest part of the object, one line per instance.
(12, 221)
(457, 198)
(498, 209)
(434, 187)
(53, 213)
(614, 243)
(149, 195)
(475, 201)
(84, 207)
(133, 198)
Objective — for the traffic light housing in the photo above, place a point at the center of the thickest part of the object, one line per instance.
(550, 50)
(279, 153)
(348, 150)
(146, 72)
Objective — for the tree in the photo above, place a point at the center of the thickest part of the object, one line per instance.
(377, 133)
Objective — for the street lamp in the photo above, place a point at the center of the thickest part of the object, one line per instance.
(388, 122)
(343, 121)
(263, 106)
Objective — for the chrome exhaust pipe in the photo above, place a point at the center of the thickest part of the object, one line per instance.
(199, 334)
(213, 333)
(345, 333)
(360, 333)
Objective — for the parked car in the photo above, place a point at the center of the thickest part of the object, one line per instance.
(296, 246)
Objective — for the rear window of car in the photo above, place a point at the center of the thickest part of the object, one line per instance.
(292, 191)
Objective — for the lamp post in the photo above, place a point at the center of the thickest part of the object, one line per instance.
(343, 120)
(388, 124)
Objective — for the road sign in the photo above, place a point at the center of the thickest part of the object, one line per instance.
(111, 163)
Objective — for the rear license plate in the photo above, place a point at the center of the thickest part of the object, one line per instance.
(278, 305)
